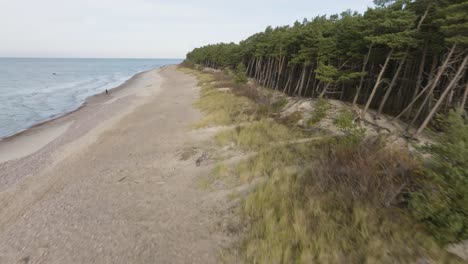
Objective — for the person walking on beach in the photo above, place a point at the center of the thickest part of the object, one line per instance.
(107, 92)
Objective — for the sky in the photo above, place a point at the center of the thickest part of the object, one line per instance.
(144, 28)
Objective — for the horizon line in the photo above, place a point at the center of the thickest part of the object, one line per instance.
(101, 58)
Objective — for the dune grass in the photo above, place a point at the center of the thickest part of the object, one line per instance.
(293, 223)
(329, 201)
(220, 108)
(257, 135)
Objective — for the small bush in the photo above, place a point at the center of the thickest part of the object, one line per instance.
(441, 200)
(278, 105)
(239, 75)
(187, 64)
(320, 111)
(353, 131)
(345, 120)
(248, 91)
(367, 171)
(221, 76)
(291, 119)
(204, 78)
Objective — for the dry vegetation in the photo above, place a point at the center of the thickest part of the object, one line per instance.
(338, 198)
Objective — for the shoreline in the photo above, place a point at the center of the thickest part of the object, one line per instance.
(113, 188)
(33, 139)
(83, 104)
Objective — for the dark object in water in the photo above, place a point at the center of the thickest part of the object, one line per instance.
(54, 73)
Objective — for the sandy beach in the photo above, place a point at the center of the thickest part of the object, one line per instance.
(106, 184)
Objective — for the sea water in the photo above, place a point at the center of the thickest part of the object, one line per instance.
(36, 90)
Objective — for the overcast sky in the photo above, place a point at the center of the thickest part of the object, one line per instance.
(144, 28)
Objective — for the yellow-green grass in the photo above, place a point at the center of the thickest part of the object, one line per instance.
(294, 218)
(257, 135)
(202, 77)
(222, 108)
(187, 70)
(219, 107)
(268, 160)
(298, 215)
(293, 223)
(219, 172)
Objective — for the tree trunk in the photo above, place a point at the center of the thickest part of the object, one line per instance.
(257, 66)
(404, 94)
(280, 71)
(274, 72)
(324, 90)
(433, 84)
(374, 90)
(428, 85)
(392, 84)
(419, 78)
(308, 80)
(342, 91)
(269, 71)
(434, 109)
(463, 102)
(361, 82)
(249, 66)
(288, 82)
(300, 83)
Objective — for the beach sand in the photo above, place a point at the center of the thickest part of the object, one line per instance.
(106, 183)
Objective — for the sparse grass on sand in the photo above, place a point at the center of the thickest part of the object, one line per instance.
(219, 107)
(257, 135)
(336, 200)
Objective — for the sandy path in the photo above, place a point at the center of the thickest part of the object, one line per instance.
(112, 189)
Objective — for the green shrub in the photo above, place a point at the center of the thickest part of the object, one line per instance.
(320, 111)
(278, 105)
(345, 120)
(441, 200)
(353, 131)
(187, 64)
(240, 76)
